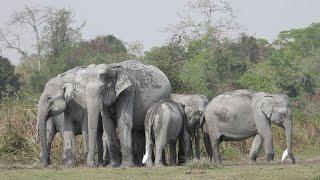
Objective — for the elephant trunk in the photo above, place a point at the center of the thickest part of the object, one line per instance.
(192, 122)
(42, 133)
(288, 131)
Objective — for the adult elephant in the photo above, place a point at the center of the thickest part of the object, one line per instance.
(238, 115)
(120, 93)
(193, 107)
(54, 101)
(122, 90)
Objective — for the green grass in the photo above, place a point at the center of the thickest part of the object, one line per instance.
(278, 171)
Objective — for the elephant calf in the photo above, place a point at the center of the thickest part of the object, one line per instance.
(164, 124)
(238, 115)
(193, 107)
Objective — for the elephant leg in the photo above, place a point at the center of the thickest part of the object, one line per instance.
(197, 143)
(68, 142)
(163, 158)
(124, 108)
(264, 129)
(255, 148)
(110, 140)
(101, 162)
(184, 152)
(215, 151)
(215, 142)
(207, 142)
(160, 144)
(105, 155)
(68, 148)
(173, 153)
(85, 138)
(138, 143)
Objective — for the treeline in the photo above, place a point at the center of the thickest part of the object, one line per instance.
(198, 59)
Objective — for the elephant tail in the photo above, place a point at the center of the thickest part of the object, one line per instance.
(202, 120)
(148, 134)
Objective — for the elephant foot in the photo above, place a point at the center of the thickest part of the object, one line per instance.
(291, 158)
(70, 164)
(45, 163)
(91, 163)
(149, 164)
(158, 165)
(270, 158)
(114, 164)
(127, 164)
(252, 162)
(102, 163)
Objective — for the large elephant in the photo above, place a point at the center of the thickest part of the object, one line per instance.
(120, 93)
(193, 107)
(122, 90)
(54, 100)
(79, 126)
(238, 115)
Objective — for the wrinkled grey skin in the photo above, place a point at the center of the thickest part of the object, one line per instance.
(126, 89)
(56, 124)
(54, 100)
(193, 107)
(238, 115)
(123, 90)
(165, 123)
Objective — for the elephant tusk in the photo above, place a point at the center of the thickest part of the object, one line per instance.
(284, 155)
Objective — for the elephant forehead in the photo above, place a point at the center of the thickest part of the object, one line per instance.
(145, 75)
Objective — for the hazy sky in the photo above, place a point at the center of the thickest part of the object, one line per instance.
(143, 20)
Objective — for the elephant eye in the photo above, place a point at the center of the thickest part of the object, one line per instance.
(282, 115)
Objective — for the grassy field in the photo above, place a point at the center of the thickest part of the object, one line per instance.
(302, 170)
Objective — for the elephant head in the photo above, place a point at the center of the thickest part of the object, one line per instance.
(53, 101)
(278, 110)
(193, 117)
(115, 79)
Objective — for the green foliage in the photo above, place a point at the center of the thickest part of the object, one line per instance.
(170, 59)
(8, 80)
(286, 69)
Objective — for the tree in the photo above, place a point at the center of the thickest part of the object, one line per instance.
(170, 59)
(60, 33)
(9, 82)
(29, 17)
(203, 17)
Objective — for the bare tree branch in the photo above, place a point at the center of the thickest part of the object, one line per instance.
(200, 17)
(28, 17)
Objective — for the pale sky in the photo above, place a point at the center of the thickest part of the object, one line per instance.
(143, 20)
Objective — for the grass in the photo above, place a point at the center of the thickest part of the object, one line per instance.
(278, 171)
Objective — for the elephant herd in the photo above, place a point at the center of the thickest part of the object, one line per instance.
(125, 109)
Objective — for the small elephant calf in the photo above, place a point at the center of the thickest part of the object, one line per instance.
(164, 124)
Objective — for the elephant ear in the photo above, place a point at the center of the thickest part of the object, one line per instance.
(68, 91)
(267, 105)
(123, 81)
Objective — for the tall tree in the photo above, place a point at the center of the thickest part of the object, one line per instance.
(203, 17)
(29, 18)
(8, 80)
(60, 32)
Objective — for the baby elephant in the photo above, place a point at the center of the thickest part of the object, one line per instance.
(164, 124)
